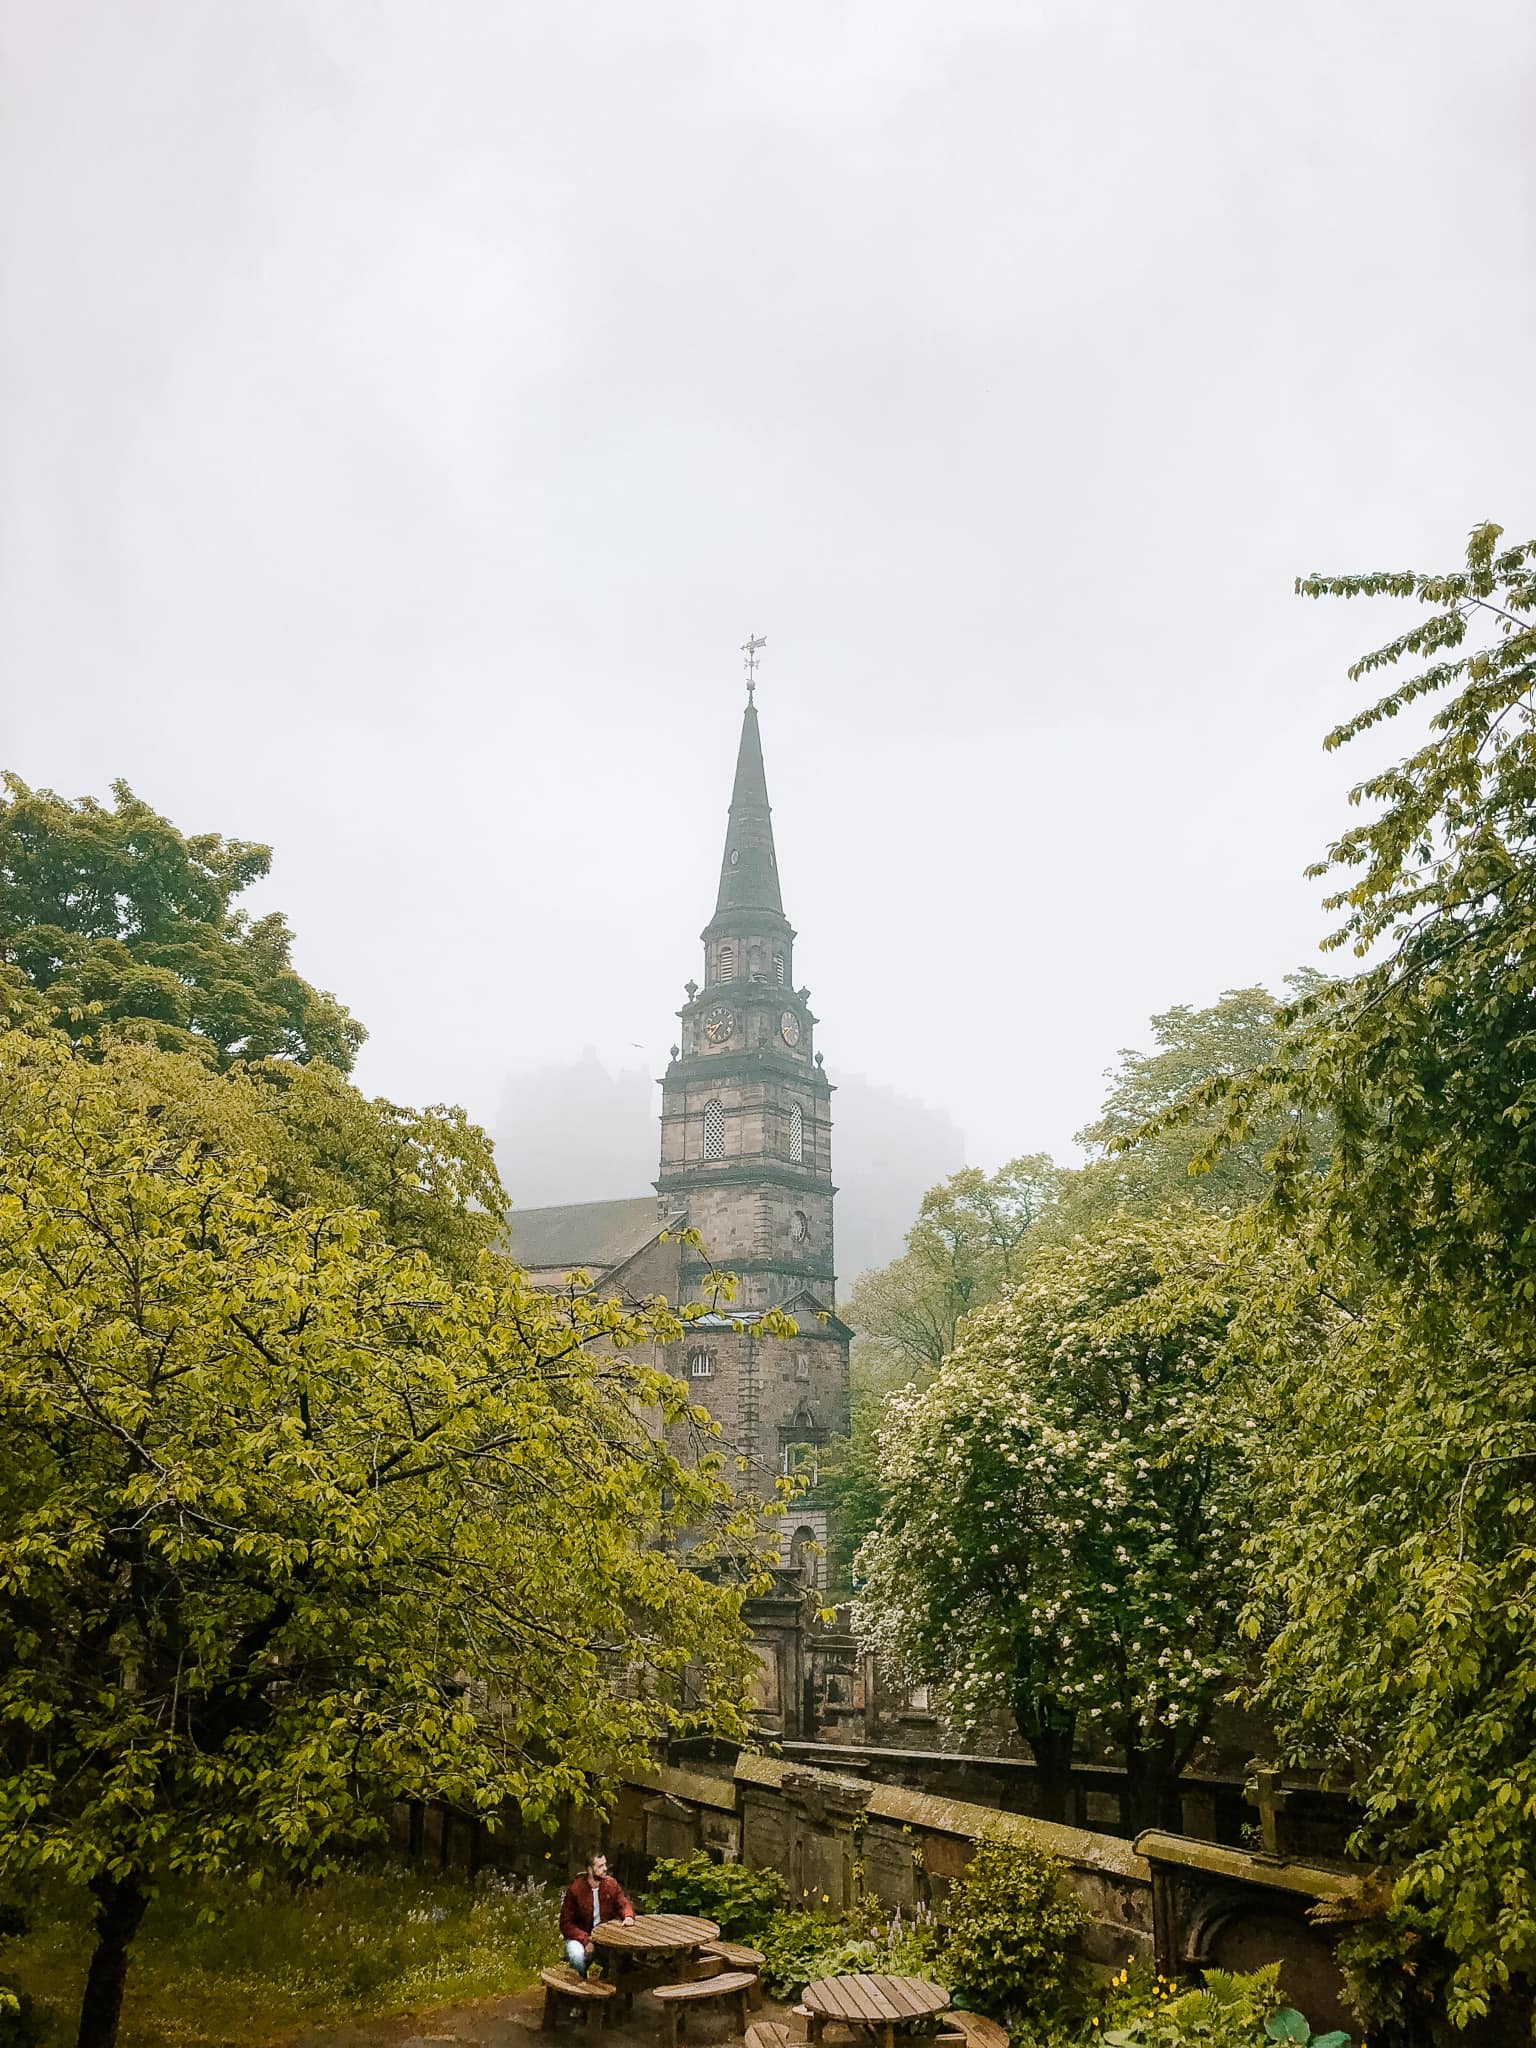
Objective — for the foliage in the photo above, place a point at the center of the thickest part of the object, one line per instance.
(798, 1947)
(428, 1175)
(801, 1946)
(1010, 1927)
(117, 920)
(22, 2025)
(1066, 1502)
(279, 1506)
(1396, 1574)
(740, 1901)
(852, 1483)
(965, 1247)
(1132, 1166)
(218, 1962)
(1227, 2011)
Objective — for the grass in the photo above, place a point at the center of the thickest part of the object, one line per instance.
(228, 1967)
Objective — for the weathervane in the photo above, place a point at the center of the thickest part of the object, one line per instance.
(749, 649)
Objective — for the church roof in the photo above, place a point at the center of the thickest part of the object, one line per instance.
(595, 1236)
(749, 870)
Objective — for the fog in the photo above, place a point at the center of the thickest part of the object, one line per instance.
(410, 410)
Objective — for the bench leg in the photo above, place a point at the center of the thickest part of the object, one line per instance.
(669, 2032)
(813, 2027)
(755, 1995)
(549, 2010)
(740, 2002)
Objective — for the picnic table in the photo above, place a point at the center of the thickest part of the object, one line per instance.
(884, 2006)
(643, 1952)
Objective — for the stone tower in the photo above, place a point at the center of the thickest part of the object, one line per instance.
(746, 1146)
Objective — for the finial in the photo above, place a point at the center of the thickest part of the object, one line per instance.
(749, 649)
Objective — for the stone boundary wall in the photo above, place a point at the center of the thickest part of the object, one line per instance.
(1169, 1898)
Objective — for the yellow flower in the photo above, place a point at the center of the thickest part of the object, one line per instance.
(826, 1898)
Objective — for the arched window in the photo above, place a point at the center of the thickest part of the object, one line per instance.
(778, 968)
(714, 1128)
(701, 1365)
(797, 1134)
(727, 962)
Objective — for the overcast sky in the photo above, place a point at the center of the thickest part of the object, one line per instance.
(410, 408)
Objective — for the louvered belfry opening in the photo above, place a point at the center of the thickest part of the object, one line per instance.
(714, 1128)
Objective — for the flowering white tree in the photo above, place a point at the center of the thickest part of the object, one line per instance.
(1066, 1505)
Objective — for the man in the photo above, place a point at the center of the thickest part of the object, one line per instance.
(591, 1897)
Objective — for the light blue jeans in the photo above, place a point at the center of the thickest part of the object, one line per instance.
(576, 1955)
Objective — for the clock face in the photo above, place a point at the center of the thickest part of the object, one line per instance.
(719, 1025)
(789, 1028)
(799, 1226)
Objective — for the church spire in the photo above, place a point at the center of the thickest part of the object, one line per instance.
(749, 871)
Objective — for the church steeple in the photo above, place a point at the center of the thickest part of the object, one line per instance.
(749, 868)
(746, 1145)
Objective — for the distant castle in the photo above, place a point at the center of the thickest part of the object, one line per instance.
(746, 1160)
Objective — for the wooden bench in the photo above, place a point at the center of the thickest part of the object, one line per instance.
(735, 1955)
(771, 2034)
(675, 1998)
(563, 1983)
(833, 2032)
(971, 2030)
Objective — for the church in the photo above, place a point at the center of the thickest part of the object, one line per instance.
(746, 1161)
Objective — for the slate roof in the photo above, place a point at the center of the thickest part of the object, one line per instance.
(595, 1236)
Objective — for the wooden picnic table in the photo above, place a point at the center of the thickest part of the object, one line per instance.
(882, 2005)
(647, 1950)
(652, 1934)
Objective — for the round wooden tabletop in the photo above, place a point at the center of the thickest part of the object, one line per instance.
(651, 1934)
(875, 2001)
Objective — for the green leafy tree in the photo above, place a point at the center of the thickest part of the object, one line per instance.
(1065, 1507)
(965, 1247)
(1141, 1160)
(121, 931)
(429, 1175)
(292, 1527)
(118, 921)
(1396, 1573)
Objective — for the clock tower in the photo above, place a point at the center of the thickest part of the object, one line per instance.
(746, 1146)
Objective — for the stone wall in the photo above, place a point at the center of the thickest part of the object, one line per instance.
(835, 1837)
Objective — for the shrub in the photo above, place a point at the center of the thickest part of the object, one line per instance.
(742, 1902)
(1228, 2011)
(1009, 1931)
(799, 1946)
(21, 2024)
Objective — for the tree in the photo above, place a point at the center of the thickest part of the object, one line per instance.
(291, 1526)
(1396, 1573)
(1064, 1507)
(119, 921)
(1157, 1139)
(965, 1247)
(429, 1175)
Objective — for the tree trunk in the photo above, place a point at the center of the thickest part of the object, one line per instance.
(1152, 1769)
(1049, 1729)
(120, 1907)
